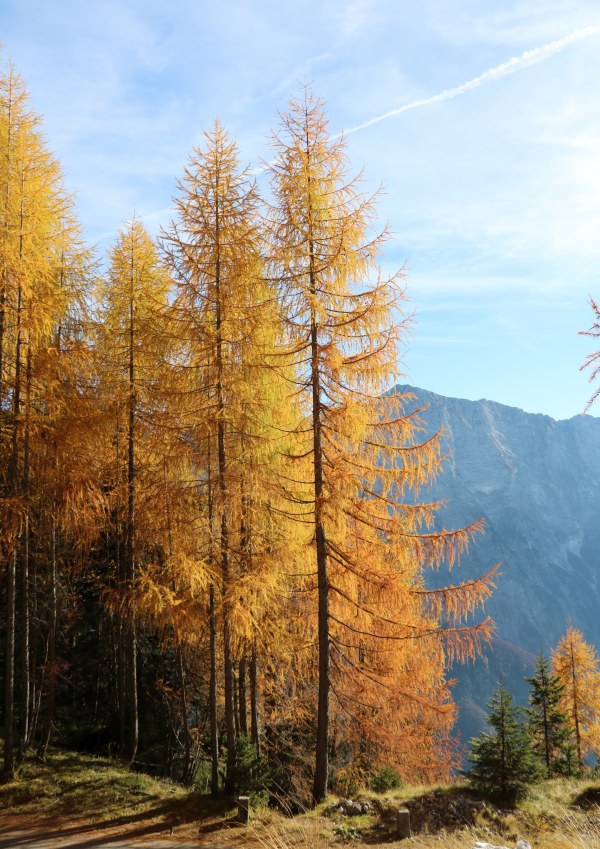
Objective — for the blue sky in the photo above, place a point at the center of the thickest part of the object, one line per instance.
(492, 189)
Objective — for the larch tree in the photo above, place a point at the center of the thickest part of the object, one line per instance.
(134, 300)
(576, 666)
(592, 361)
(32, 301)
(344, 329)
(65, 474)
(223, 318)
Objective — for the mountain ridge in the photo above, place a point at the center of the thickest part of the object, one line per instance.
(535, 481)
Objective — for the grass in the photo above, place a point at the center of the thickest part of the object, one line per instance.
(69, 784)
(105, 797)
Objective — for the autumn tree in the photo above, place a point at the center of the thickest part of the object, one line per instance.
(36, 221)
(65, 469)
(225, 319)
(344, 330)
(133, 301)
(592, 361)
(575, 665)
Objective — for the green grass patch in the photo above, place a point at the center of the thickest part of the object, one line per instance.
(69, 784)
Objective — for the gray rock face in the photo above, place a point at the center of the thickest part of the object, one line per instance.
(536, 483)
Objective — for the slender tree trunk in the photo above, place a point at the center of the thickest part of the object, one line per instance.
(225, 567)
(13, 481)
(254, 701)
(236, 704)
(51, 670)
(212, 621)
(576, 708)
(242, 696)
(9, 669)
(214, 725)
(187, 770)
(6, 233)
(51, 661)
(322, 751)
(546, 738)
(246, 552)
(2, 320)
(119, 623)
(25, 618)
(131, 661)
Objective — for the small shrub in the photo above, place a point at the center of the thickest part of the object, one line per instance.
(347, 832)
(251, 774)
(385, 778)
(349, 780)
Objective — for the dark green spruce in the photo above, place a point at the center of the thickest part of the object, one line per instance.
(548, 725)
(503, 762)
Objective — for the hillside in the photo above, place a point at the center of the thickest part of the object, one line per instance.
(76, 800)
(536, 482)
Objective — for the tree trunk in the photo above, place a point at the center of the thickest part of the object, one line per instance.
(254, 701)
(221, 455)
(13, 486)
(576, 708)
(242, 698)
(212, 620)
(9, 107)
(25, 619)
(2, 319)
(51, 661)
(322, 751)
(130, 566)
(9, 673)
(214, 726)
(187, 770)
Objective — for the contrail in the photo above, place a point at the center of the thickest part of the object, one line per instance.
(517, 63)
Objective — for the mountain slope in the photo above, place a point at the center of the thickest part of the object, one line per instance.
(536, 482)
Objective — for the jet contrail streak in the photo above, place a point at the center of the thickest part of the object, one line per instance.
(517, 63)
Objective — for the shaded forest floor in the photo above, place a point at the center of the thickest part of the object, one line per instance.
(84, 795)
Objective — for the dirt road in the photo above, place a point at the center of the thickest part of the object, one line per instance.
(14, 836)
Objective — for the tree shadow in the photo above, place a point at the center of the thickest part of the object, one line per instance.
(590, 798)
(158, 821)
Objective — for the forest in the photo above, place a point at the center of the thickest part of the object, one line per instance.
(215, 530)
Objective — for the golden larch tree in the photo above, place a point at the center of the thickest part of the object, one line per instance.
(576, 665)
(592, 361)
(33, 220)
(224, 318)
(131, 338)
(370, 542)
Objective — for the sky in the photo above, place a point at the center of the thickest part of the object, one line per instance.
(479, 119)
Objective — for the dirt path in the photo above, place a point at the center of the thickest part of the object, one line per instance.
(18, 833)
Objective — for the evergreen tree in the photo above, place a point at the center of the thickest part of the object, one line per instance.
(548, 724)
(503, 761)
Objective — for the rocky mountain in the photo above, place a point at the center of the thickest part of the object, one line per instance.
(536, 483)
